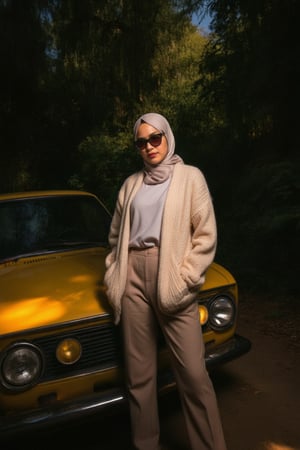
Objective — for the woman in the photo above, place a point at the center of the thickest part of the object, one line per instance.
(163, 238)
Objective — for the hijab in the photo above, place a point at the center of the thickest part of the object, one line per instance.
(156, 174)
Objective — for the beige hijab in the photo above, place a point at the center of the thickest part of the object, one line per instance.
(156, 174)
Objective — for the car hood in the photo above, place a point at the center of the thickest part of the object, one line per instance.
(61, 287)
(52, 289)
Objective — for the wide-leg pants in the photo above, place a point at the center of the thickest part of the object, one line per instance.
(141, 320)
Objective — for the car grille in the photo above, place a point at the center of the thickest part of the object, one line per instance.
(100, 350)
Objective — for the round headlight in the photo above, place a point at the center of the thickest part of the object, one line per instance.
(221, 313)
(21, 366)
(68, 351)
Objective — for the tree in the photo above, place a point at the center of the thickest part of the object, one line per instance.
(249, 82)
(22, 49)
(107, 155)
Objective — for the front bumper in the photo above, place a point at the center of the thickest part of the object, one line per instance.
(106, 402)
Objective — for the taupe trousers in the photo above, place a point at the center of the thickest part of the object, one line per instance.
(141, 318)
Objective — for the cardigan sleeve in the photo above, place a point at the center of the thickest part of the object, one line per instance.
(203, 235)
(114, 231)
(117, 230)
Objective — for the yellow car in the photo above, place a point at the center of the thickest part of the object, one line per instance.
(60, 354)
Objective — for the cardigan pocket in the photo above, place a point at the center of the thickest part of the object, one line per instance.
(174, 293)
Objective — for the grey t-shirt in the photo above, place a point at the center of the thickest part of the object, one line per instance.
(146, 215)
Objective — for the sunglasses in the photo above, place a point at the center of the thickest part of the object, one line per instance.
(154, 140)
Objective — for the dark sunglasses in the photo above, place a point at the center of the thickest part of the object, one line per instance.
(154, 140)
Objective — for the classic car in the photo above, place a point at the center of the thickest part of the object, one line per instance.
(60, 353)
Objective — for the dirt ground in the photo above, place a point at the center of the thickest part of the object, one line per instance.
(258, 394)
(261, 400)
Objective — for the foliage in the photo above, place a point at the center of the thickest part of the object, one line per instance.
(101, 174)
(21, 97)
(261, 226)
(249, 82)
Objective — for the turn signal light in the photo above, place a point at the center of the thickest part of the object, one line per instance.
(68, 351)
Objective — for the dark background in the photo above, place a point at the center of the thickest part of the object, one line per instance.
(76, 74)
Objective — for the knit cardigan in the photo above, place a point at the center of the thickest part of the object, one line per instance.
(187, 244)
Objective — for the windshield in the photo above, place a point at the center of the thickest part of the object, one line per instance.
(37, 225)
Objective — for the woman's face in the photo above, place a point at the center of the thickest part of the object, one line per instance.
(150, 154)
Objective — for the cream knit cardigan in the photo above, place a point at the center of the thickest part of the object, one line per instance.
(187, 246)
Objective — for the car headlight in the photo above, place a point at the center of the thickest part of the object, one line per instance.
(68, 351)
(21, 366)
(221, 312)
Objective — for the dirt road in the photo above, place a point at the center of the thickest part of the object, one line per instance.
(258, 394)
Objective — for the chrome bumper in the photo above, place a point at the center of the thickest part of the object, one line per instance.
(107, 401)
